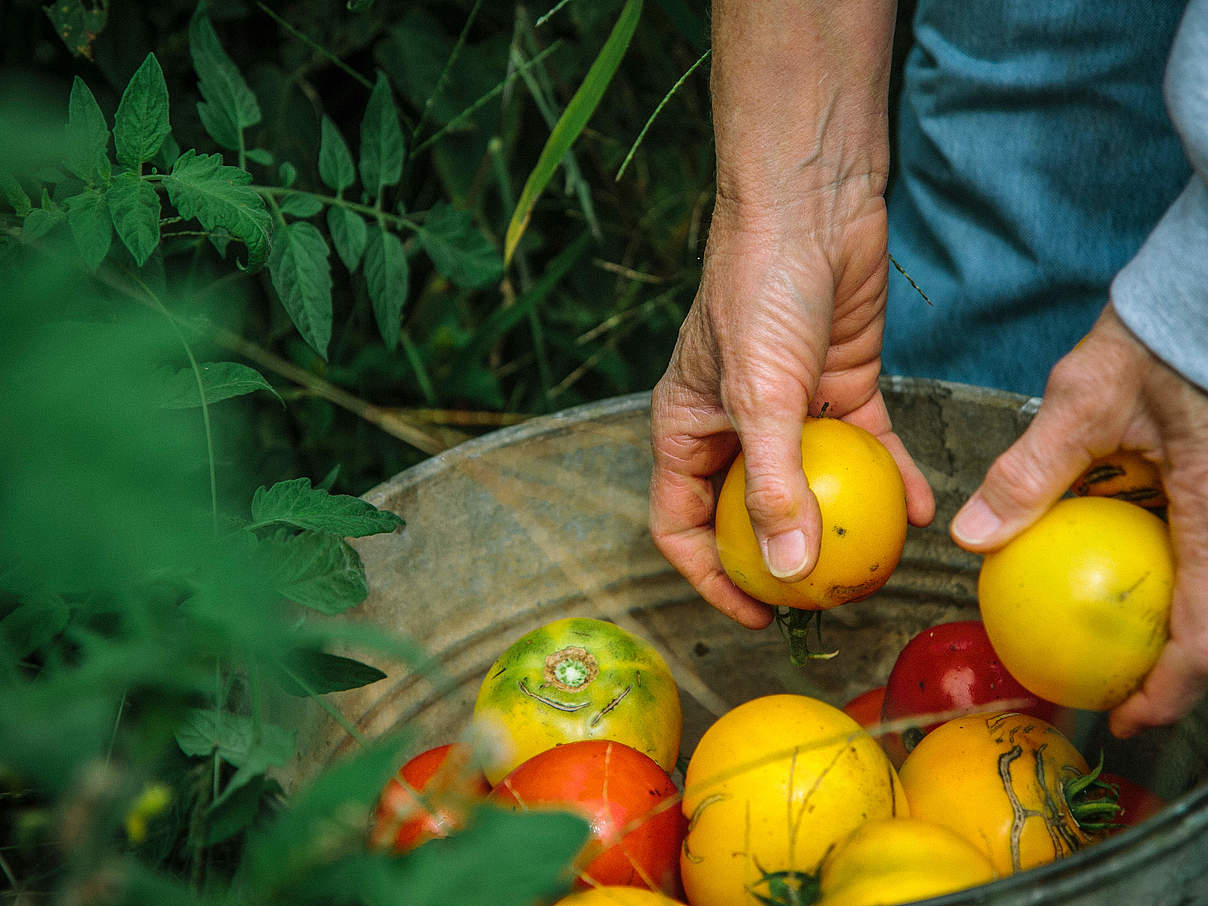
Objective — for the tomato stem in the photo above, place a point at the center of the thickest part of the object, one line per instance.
(1092, 800)
(795, 625)
(787, 888)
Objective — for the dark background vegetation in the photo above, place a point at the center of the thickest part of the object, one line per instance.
(609, 324)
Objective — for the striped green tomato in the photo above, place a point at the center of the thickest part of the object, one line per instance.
(572, 679)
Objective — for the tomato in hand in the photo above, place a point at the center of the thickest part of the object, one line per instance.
(865, 708)
(572, 679)
(1077, 604)
(1125, 475)
(948, 668)
(900, 860)
(1005, 782)
(430, 796)
(772, 785)
(631, 803)
(863, 503)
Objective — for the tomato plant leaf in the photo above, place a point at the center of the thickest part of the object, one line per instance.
(16, 197)
(229, 106)
(572, 122)
(251, 747)
(134, 209)
(234, 737)
(386, 277)
(201, 186)
(300, 268)
(41, 220)
(315, 570)
(141, 123)
(301, 205)
(349, 233)
(236, 811)
(77, 23)
(525, 854)
(336, 168)
(297, 504)
(88, 218)
(219, 380)
(306, 672)
(382, 146)
(86, 139)
(459, 250)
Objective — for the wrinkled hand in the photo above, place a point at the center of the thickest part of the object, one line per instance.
(788, 318)
(1109, 393)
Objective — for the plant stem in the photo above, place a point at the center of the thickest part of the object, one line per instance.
(316, 47)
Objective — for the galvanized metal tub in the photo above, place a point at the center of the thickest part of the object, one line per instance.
(549, 519)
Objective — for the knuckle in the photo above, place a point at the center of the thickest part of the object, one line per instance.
(769, 499)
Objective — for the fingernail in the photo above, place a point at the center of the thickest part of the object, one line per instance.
(976, 523)
(785, 554)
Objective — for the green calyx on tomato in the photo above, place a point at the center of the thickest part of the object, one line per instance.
(787, 888)
(795, 623)
(1092, 800)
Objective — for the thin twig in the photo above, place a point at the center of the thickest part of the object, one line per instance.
(918, 289)
(316, 47)
(641, 135)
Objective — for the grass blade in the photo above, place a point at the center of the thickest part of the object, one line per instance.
(572, 122)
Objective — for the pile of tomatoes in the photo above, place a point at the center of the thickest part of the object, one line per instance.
(912, 789)
(958, 771)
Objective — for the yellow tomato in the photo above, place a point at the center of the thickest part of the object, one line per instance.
(771, 786)
(1077, 605)
(1125, 475)
(900, 860)
(572, 679)
(617, 896)
(998, 781)
(863, 503)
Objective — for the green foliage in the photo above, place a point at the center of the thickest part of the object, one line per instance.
(167, 602)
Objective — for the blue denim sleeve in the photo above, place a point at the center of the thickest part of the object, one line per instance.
(1162, 293)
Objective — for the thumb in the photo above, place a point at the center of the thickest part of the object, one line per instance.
(784, 512)
(1023, 482)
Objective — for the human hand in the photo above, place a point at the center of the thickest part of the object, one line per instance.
(1110, 393)
(788, 318)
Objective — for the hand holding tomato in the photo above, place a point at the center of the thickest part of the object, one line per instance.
(1111, 393)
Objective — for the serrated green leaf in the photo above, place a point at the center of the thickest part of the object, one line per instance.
(134, 209)
(297, 504)
(252, 748)
(220, 381)
(86, 141)
(336, 168)
(16, 197)
(261, 156)
(301, 205)
(236, 812)
(229, 106)
(88, 217)
(349, 232)
(316, 570)
(77, 24)
(459, 250)
(141, 123)
(386, 277)
(301, 272)
(306, 672)
(572, 122)
(382, 146)
(201, 186)
(527, 856)
(40, 221)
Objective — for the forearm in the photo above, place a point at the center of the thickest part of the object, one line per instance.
(800, 99)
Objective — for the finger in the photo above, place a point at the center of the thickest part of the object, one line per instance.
(784, 512)
(1171, 690)
(1029, 477)
(681, 517)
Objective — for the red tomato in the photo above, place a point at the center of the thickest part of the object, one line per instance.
(637, 825)
(865, 708)
(947, 670)
(1136, 801)
(430, 796)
